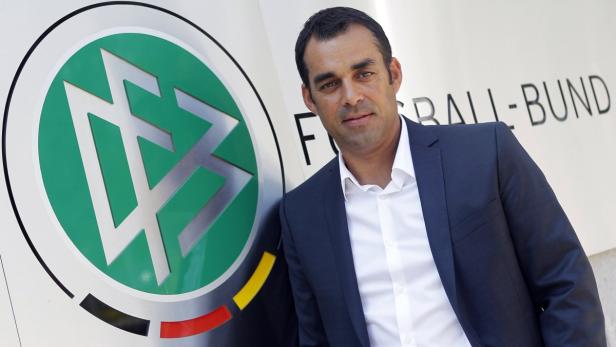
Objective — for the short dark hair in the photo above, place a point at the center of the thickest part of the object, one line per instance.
(330, 22)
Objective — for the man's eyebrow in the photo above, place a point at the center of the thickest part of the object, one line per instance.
(362, 64)
(322, 77)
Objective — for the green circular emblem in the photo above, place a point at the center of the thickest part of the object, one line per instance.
(148, 163)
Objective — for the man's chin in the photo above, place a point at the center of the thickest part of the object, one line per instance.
(363, 142)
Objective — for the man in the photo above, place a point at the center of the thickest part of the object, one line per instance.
(422, 235)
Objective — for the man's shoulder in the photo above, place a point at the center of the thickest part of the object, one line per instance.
(462, 129)
(313, 187)
(467, 134)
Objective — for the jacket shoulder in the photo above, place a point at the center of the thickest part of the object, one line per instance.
(467, 130)
(470, 138)
(311, 189)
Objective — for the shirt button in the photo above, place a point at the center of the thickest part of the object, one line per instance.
(399, 289)
(407, 340)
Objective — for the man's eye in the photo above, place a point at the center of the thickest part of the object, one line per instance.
(328, 85)
(365, 74)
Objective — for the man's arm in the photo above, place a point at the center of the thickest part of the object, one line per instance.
(556, 270)
(311, 332)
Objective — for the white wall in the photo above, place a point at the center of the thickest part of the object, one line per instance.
(603, 265)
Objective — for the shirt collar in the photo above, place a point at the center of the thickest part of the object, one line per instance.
(402, 168)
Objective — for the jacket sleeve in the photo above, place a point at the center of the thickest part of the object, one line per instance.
(311, 332)
(556, 269)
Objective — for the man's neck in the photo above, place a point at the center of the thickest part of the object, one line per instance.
(373, 167)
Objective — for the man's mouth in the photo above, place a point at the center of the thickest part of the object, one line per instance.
(358, 119)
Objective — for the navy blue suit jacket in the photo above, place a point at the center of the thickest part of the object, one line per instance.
(509, 260)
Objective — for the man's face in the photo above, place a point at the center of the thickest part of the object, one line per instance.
(351, 91)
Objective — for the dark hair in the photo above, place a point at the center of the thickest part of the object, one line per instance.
(330, 22)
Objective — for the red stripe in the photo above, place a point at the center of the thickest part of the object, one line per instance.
(197, 325)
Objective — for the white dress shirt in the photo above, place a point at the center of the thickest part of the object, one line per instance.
(403, 299)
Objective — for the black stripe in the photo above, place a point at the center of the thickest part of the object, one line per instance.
(114, 317)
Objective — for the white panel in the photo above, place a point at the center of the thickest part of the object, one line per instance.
(46, 316)
(8, 328)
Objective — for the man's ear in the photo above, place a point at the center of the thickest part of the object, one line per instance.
(308, 99)
(395, 71)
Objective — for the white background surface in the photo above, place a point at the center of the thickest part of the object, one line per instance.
(44, 314)
(8, 328)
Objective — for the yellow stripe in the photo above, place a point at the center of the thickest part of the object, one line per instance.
(254, 284)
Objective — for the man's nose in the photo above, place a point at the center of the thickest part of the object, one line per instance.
(352, 94)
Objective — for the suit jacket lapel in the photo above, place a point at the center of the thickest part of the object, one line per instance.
(431, 185)
(335, 213)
